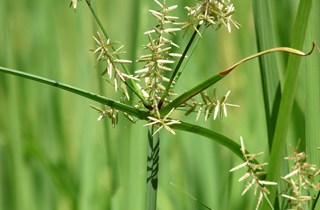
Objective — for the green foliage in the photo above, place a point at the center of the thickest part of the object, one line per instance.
(53, 153)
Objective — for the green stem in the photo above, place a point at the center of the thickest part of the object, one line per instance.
(114, 104)
(152, 167)
(98, 20)
(133, 86)
(173, 76)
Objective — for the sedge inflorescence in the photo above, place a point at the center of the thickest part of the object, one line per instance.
(155, 79)
(302, 179)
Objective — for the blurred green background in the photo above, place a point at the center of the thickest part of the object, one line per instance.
(55, 155)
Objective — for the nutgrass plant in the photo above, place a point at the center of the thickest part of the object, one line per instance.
(51, 151)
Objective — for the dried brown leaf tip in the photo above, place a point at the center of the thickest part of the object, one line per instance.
(253, 175)
(302, 180)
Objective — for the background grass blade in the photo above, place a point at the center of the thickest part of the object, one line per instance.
(269, 68)
(289, 90)
(311, 67)
(78, 91)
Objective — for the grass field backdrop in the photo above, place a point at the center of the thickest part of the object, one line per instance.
(54, 155)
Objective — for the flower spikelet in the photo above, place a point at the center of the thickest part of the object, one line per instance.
(112, 114)
(210, 106)
(212, 13)
(107, 52)
(302, 179)
(253, 174)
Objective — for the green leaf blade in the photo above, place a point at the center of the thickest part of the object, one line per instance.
(289, 90)
(270, 76)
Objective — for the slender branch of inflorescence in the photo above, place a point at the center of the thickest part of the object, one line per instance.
(112, 59)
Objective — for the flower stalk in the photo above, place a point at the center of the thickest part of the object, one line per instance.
(152, 166)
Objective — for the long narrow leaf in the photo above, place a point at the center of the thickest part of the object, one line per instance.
(117, 105)
(268, 64)
(214, 79)
(289, 90)
(312, 103)
(217, 137)
(312, 76)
